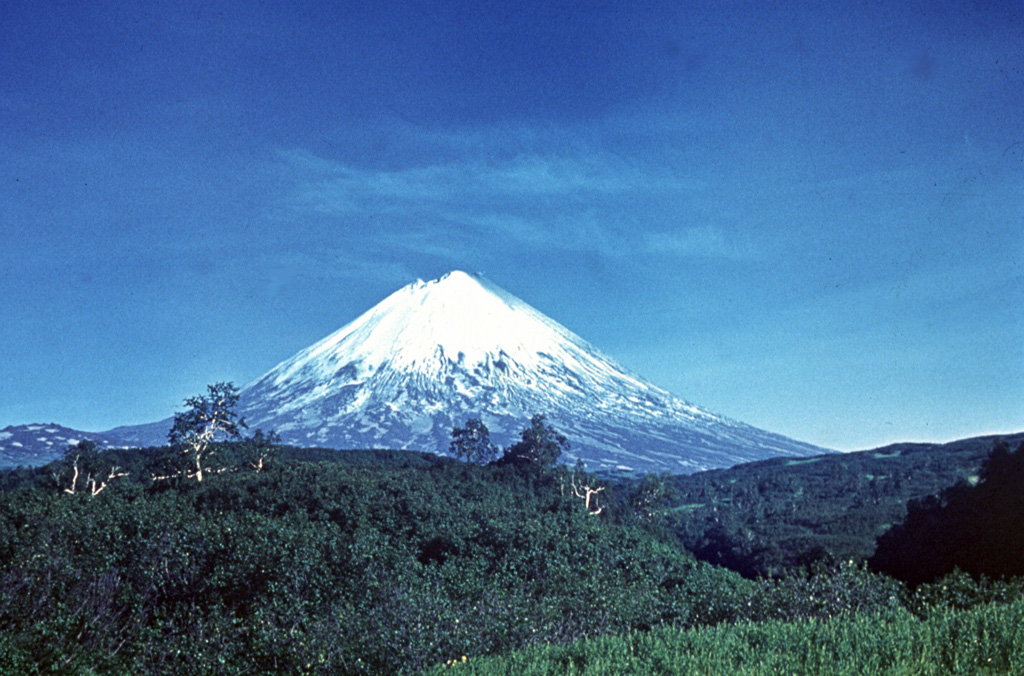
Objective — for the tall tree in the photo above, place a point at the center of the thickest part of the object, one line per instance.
(472, 443)
(209, 417)
(539, 446)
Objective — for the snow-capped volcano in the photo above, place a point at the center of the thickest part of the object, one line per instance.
(433, 354)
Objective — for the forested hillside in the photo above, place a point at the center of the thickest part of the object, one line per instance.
(977, 528)
(767, 518)
(285, 560)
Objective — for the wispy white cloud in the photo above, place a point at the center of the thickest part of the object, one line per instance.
(334, 187)
(705, 241)
(594, 202)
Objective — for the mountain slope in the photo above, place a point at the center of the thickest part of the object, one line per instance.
(433, 354)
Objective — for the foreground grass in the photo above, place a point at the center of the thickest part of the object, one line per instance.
(984, 640)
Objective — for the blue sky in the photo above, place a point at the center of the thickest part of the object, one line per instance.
(807, 216)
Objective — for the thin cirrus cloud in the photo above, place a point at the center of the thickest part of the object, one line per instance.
(704, 241)
(335, 186)
(600, 204)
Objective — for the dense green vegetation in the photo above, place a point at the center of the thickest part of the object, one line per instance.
(951, 619)
(984, 640)
(213, 557)
(975, 528)
(343, 567)
(772, 517)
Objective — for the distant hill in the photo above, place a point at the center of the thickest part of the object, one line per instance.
(763, 518)
(37, 444)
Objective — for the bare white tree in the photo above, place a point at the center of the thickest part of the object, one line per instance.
(84, 459)
(584, 487)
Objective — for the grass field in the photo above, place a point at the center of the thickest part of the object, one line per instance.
(987, 640)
